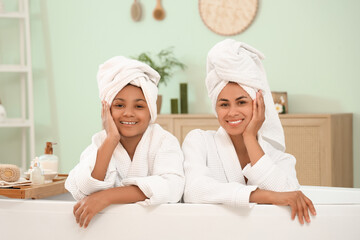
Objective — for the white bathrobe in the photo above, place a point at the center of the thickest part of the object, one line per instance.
(156, 168)
(214, 174)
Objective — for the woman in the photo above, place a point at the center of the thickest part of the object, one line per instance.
(132, 159)
(243, 161)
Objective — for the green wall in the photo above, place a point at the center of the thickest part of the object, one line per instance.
(311, 50)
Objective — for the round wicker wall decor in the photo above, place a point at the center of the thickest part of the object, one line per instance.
(228, 17)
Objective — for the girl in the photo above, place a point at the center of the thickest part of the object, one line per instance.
(132, 159)
(244, 160)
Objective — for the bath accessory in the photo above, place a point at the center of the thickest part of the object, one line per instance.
(36, 174)
(174, 106)
(25, 190)
(159, 13)
(9, 172)
(2, 110)
(183, 98)
(136, 11)
(49, 161)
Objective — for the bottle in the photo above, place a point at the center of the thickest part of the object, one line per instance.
(48, 161)
(2, 113)
(36, 175)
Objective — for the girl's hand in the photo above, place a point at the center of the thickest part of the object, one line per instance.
(88, 207)
(300, 205)
(258, 116)
(108, 122)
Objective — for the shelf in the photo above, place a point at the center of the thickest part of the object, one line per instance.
(12, 15)
(13, 68)
(15, 122)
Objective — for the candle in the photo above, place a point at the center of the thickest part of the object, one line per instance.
(183, 98)
(174, 106)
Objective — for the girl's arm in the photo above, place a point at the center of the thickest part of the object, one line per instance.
(88, 207)
(107, 148)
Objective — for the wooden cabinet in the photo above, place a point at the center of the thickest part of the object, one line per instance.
(321, 143)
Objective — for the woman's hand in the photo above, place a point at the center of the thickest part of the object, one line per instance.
(88, 207)
(108, 122)
(300, 204)
(258, 116)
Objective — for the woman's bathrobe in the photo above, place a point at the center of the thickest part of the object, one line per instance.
(214, 174)
(156, 168)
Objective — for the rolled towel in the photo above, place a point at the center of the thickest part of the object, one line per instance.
(117, 72)
(9, 172)
(233, 61)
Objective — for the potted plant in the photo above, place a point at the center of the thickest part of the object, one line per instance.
(165, 63)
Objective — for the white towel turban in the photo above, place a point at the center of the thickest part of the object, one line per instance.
(232, 61)
(117, 72)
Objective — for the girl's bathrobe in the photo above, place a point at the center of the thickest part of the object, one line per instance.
(214, 174)
(156, 168)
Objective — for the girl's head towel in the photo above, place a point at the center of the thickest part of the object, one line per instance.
(117, 72)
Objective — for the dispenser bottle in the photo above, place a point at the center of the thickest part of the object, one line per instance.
(36, 175)
(48, 161)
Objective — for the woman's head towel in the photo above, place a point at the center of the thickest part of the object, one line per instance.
(232, 61)
(117, 72)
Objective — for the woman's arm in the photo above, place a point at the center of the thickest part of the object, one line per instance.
(107, 148)
(300, 205)
(88, 207)
(253, 147)
(274, 170)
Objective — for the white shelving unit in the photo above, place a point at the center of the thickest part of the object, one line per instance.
(24, 68)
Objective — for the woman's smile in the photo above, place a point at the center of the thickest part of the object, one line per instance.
(234, 123)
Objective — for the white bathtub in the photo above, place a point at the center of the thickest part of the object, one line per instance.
(338, 217)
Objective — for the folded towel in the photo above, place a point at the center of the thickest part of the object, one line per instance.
(18, 183)
(9, 172)
(117, 72)
(232, 61)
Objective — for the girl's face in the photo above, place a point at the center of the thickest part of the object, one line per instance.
(130, 112)
(234, 109)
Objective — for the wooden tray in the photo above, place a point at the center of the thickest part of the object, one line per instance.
(37, 191)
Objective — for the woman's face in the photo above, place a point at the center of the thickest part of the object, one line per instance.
(130, 112)
(234, 109)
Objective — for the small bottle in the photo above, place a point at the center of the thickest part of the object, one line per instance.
(36, 175)
(48, 161)
(2, 113)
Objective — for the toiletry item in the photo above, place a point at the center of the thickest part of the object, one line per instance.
(36, 175)
(2, 113)
(49, 161)
(9, 172)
